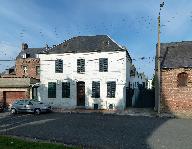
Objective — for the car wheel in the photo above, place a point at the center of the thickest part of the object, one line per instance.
(37, 111)
(13, 111)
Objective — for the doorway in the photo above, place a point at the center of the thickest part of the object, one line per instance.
(80, 93)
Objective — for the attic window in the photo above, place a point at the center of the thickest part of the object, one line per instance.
(182, 79)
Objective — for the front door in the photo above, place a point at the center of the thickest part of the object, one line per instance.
(80, 93)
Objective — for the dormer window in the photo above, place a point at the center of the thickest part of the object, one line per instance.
(24, 55)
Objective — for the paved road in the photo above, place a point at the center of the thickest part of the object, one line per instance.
(102, 131)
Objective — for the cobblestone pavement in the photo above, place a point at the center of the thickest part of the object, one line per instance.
(95, 130)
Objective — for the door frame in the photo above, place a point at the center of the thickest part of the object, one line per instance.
(80, 99)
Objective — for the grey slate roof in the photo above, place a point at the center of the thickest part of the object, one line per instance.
(80, 44)
(31, 51)
(176, 54)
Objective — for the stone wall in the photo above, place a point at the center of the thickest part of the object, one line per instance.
(175, 99)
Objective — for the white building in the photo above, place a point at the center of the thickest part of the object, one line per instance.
(137, 78)
(85, 71)
(149, 84)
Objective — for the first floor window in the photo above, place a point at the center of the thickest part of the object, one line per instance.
(59, 66)
(80, 65)
(95, 89)
(111, 88)
(103, 65)
(65, 89)
(51, 90)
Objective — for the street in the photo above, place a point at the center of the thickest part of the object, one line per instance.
(101, 131)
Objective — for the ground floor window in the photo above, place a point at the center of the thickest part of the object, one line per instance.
(95, 89)
(51, 90)
(111, 88)
(65, 89)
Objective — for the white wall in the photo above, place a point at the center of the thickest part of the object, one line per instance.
(139, 79)
(117, 71)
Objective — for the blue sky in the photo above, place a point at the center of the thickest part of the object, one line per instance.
(131, 23)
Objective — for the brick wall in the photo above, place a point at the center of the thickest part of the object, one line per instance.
(174, 98)
(31, 63)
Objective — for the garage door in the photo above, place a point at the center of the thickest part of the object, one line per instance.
(10, 96)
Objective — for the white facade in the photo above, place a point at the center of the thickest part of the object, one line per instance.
(138, 78)
(118, 71)
(149, 84)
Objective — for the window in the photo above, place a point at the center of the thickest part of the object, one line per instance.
(25, 68)
(37, 70)
(58, 66)
(144, 84)
(51, 90)
(103, 65)
(80, 65)
(111, 88)
(65, 89)
(182, 79)
(95, 89)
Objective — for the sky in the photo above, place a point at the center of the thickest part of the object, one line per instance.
(131, 23)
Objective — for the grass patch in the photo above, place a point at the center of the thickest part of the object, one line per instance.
(7, 142)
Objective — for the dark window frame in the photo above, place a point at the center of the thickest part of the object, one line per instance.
(52, 91)
(182, 79)
(111, 89)
(95, 89)
(80, 65)
(103, 64)
(65, 89)
(58, 66)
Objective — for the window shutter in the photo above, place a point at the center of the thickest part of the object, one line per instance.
(103, 65)
(95, 89)
(59, 66)
(80, 65)
(51, 90)
(65, 89)
(111, 89)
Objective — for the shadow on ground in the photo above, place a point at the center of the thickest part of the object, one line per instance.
(98, 130)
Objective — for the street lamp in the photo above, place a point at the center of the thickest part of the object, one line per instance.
(158, 61)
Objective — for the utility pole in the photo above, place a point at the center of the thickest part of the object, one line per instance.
(157, 67)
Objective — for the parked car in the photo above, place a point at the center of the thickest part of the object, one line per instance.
(1, 107)
(29, 106)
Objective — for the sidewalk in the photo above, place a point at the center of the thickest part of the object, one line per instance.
(130, 111)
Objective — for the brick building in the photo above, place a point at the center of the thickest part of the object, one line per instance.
(176, 77)
(19, 81)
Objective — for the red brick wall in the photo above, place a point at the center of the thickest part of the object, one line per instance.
(12, 95)
(174, 98)
(31, 63)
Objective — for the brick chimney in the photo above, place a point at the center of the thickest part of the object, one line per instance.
(24, 46)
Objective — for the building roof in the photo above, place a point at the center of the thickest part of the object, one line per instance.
(17, 82)
(31, 51)
(80, 44)
(176, 54)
